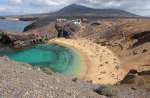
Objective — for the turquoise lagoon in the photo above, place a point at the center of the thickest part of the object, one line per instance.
(56, 57)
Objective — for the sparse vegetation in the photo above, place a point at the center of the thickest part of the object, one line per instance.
(47, 71)
(107, 90)
(75, 79)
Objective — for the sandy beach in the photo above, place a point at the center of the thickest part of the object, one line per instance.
(102, 66)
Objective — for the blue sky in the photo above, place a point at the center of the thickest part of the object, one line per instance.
(12, 7)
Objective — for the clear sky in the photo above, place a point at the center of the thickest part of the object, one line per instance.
(8, 7)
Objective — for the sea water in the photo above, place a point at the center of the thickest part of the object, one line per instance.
(56, 57)
(13, 25)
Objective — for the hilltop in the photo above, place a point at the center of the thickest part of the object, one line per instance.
(79, 10)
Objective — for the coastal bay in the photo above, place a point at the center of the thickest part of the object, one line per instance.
(99, 62)
(54, 56)
(13, 25)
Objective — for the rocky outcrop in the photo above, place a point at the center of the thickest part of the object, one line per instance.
(35, 25)
(10, 38)
(139, 77)
(20, 40)
(66, 29)
(141, 38)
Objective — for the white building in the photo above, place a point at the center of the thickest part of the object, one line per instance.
(77, 21)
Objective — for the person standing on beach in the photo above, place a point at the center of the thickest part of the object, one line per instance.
(117, 68)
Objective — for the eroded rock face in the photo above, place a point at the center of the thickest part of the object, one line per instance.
(66, 29)
(142, 38)
(139, 77)
(34, 25)
(9, 38)
(20, 40)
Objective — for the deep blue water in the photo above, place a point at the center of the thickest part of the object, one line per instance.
(13, 25)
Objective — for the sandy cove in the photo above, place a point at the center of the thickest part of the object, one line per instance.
(102, 66)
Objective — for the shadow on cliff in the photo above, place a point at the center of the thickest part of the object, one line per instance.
(141, 38)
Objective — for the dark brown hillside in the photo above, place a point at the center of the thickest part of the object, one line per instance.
(79, 10)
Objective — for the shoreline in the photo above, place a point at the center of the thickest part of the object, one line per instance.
(79, 53)
(74, 70)
(99, 60)
(11, 19)
(96, 63)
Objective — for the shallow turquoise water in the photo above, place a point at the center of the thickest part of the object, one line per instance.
(53, 56)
